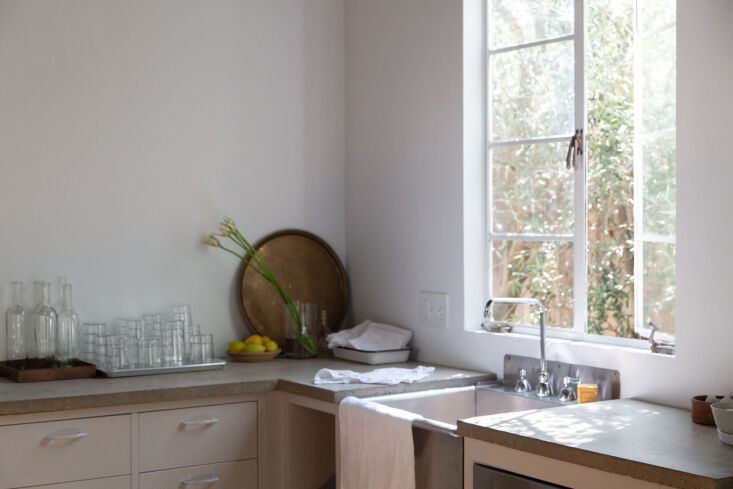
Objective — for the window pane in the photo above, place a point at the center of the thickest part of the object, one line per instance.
(610, 167)
(656, 13)
(513, 22)
(659, 60)
(659, 186)
(532, 190)
(532, 92)
(659, 285)
(542, 270)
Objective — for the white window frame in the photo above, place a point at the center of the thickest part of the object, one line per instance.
(578, 331)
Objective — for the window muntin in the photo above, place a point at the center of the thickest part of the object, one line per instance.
(596, 245)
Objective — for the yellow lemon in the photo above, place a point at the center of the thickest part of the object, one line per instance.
(265, 339)
(255, 338)
(236, 346)
(253, 348)
(271, 346)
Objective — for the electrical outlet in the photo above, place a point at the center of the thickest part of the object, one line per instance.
(434, 309)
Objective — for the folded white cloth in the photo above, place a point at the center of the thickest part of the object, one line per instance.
(371, 336)
(376, 448)
(388, 376)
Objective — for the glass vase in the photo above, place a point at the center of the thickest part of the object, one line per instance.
(43, 343)
(67, 328)
(15, 330)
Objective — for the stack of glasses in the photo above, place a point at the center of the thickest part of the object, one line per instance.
(154, 341)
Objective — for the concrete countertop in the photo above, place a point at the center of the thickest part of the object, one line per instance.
(646, 441)
(294, 376)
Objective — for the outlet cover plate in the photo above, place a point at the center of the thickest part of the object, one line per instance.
(434, 309)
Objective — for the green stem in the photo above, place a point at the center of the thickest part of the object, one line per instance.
(258, 265)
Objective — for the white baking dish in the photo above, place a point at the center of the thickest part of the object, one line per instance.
(372, 357)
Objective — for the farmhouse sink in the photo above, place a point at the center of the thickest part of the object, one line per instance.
(438, 447)
(442, 408)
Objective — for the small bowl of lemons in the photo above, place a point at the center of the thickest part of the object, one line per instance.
(255, 348)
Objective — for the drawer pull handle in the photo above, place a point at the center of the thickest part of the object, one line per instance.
(66, 434)
(201, 479)
(201, 419)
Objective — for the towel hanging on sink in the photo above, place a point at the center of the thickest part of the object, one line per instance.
(375, 446)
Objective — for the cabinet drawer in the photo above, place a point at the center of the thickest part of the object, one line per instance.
(61, 451)
(197, 436)
(231, 475)
(123, 482)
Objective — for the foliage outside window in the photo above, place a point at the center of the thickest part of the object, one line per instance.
(595, 244)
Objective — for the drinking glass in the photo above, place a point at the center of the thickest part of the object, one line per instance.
(202, 348)
(173, 332)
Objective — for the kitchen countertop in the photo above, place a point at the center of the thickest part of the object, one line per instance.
(646, 441)
(294, 376)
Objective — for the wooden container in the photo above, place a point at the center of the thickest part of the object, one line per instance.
(37, 370)
(701, 411)
(587, 393)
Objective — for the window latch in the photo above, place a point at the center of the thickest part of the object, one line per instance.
(575, 148)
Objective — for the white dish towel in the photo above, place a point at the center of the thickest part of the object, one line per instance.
(376, 448)
(371, 336)
(387, 376)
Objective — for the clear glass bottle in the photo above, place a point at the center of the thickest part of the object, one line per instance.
(44, 320)
(15, 347)
(67, 329)
(58, 304)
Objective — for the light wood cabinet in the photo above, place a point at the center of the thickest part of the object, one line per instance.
(123, 482)
(197, 436)
(230, 475)
(61, 451)
(151, 446)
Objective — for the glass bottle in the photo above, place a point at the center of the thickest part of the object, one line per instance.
(59, 303)
(67, 329)
(44, 320)
(15, 347)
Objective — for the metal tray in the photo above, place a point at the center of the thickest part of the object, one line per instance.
(308, 270)
(216, 364)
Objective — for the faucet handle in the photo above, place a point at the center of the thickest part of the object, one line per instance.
(544, 386)
(568, 392)
(522, 384)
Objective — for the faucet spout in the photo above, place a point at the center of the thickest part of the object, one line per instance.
(544, 387)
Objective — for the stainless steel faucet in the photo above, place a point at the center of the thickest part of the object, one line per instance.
(544, 386)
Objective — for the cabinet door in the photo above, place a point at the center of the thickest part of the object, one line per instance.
(231, 475)
(197, 436)
(61, 451)
(124, 482)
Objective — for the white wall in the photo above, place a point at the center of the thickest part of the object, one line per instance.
(405, 192)
(128, 128)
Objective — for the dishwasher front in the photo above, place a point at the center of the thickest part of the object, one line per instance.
(485, 477)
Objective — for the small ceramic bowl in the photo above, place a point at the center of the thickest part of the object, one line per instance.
(701, 412)
(723, 414)
(725, 437)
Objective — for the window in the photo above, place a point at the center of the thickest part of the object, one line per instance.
(593, 235)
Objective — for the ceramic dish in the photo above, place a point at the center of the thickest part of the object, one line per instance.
(723, 414)
(725, 437)
(372, 357)
(265, 356)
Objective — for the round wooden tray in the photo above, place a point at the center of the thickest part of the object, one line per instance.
(265, 356)
(308, 271)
